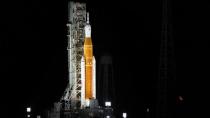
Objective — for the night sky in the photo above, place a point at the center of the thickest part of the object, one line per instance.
(33, 55)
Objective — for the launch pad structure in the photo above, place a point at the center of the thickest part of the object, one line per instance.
(75, 25)
(79, 98)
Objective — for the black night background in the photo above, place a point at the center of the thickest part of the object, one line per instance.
(33, 55)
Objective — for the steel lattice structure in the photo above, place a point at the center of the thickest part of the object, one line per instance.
(75, 25)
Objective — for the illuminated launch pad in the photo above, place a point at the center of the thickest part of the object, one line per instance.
(79, 99)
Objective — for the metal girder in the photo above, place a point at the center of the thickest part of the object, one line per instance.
(75, 35)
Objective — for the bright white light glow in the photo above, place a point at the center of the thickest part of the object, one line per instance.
(107, 116)
(181, 98)
(147, 109)
(108, 104)
(28, 116)
(28, 109)
(124, 115)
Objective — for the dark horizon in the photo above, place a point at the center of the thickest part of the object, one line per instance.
(33, 43)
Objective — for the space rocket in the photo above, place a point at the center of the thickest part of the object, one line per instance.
(88, 67)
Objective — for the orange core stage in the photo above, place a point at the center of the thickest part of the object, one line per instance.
(88, 54)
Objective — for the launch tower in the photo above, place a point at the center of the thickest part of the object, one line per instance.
(76, 35)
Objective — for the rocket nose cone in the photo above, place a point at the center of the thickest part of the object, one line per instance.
(82, 59)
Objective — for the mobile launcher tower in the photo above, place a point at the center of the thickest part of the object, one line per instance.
(79, 99)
